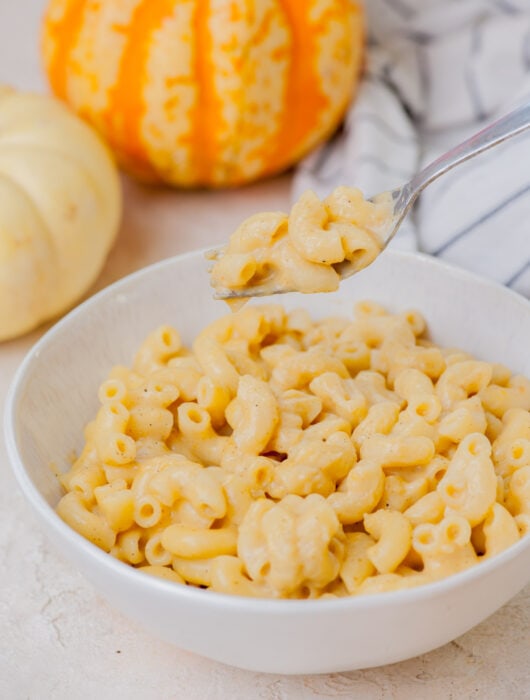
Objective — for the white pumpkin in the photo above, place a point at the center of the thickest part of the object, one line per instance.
(60, 207)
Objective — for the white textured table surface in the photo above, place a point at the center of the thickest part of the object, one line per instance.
(60, 640)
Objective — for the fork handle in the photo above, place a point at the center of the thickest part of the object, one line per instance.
(504, 128)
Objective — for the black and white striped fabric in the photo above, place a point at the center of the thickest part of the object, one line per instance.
(437, 71)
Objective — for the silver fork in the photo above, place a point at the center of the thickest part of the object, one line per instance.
(403, 197)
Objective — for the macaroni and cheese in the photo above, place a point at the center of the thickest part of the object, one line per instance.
(287, 457)
(303, 251)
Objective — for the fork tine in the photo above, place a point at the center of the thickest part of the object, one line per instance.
(247, 292)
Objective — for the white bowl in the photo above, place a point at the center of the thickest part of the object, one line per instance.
(54, 395)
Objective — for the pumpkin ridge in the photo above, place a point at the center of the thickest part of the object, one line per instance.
(25, 325)
(237, 174)
(64, 33)
(79, 163)
(303, 100)
(207, 110)
(54, 245)
(11, 181)
(126, 104)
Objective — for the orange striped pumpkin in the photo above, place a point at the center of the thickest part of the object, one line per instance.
(206, 92)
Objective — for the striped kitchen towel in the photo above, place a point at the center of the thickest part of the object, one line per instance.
(437, 71)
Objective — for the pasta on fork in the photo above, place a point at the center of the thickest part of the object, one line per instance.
(304, 251)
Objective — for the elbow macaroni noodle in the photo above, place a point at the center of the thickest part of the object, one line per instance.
(287, 457)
